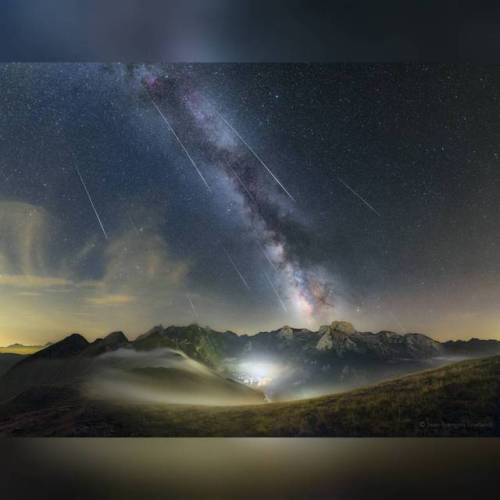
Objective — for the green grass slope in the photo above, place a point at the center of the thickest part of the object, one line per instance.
(457, 400)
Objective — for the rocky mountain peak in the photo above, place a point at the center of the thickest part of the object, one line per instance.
(69, 346)
(111, 342)
(116, 338)
(343, 327)
(336, 336)
(423, 343)
(156, 330)
(286, 332)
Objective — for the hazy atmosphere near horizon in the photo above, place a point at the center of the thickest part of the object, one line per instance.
(246, 197)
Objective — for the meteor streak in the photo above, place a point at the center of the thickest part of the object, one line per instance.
(257, 157)
(264, 253)
(180, 142)
(91, 202)
(192, 305)
(359, 196)
(134, 225)
(275, 292)
(243, 280)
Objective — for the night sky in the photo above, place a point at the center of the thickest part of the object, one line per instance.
(246, 197)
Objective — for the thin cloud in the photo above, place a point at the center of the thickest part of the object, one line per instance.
(111, 299)
(32, 281)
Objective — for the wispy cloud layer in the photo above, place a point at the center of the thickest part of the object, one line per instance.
(137, 278)
(111, 299)
(32, 281)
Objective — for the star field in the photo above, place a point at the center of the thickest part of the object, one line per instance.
(295, 244)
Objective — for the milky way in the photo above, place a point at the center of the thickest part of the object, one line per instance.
(270, 215)
(246, 197)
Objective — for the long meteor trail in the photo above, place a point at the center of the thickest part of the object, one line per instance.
(271, 284)
(243, 280)
(134, 225)
(359, 196)
(257, 157)
(264, 253)
(91, 202)
(190, 158)
(192, 305)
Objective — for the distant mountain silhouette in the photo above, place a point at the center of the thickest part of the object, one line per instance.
(69, 346)
(109, 343)
(22, 346)
(471, 348)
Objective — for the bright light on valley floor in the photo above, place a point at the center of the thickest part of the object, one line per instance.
(257, 373)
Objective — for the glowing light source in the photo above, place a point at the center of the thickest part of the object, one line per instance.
(257, 372)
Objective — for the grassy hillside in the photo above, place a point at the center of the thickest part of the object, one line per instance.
(457, 400)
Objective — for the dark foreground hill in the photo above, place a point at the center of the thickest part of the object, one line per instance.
(462, 399)
(7, 360)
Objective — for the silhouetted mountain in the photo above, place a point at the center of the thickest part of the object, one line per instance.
(111, 342)
(18, 345)
(69, 346)
(57, 364)
(472, 348)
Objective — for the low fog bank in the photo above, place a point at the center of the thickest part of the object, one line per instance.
(163, 376)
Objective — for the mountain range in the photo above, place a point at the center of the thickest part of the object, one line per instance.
(339, 340)
(335, 357)
(298, 362)
(169, 368)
